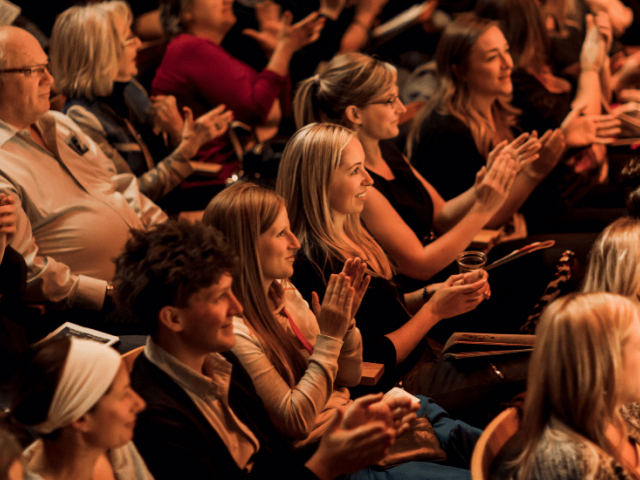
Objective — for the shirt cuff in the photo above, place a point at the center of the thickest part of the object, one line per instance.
(90, 293)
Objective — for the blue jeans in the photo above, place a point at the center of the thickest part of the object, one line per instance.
(456, 438)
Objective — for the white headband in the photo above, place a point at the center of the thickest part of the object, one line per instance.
(87, 374)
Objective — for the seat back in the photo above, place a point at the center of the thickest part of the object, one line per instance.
(501, 429)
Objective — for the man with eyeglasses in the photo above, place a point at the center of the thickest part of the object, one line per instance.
(73, 218)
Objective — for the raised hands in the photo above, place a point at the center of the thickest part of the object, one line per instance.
(523, 150)
(593, 53)
(552, 146)
(269, 18)
(209, 126)
(345, 450)
(492, 186)
(302, 33)
(355, 270)
(334, 315)
(459, 294)
(582, 130)
(166, 116)
(7, 216)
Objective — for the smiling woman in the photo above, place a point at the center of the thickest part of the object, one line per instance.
(76, 393)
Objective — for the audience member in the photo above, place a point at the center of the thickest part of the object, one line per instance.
(576, 421)
(614, 260)
(304, 358)
(73, 218)
(470, 114)
(204, 418)
(403, 210)
(300, 388)
(324, 183)
(97, 76)
(202, 75)
(76, 394)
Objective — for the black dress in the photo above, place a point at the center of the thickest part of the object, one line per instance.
(382, 311)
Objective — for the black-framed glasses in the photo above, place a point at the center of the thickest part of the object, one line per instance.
(38, 70)
(391, 101)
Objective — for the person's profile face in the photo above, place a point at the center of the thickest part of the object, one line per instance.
(276, 249)
(488, 69)
(112, 420)
(349, 182)
(207, 320)
(25, 95)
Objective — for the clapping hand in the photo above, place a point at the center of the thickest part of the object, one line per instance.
(269, 17)
(207, 127)
(355, 270)
(549, 155)
(344, 450)
(492, 186)
(334, 315)
(523, 150)
(593, 53)
(582, 130)
(166, 116)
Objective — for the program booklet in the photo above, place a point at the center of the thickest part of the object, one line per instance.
(69, 329)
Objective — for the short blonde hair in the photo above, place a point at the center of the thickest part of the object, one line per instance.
(86, 47)
(614, 260)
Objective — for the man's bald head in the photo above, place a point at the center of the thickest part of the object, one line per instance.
(10, 40)
(24, 95)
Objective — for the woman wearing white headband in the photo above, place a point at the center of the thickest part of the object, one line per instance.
(76, 394)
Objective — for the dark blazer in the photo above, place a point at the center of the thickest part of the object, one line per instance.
(176, 440)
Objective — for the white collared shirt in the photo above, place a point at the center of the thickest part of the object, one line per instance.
(73, 218)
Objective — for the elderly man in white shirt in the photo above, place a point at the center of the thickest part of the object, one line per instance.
(73, 218)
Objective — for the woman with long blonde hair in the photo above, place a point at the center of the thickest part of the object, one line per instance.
(403, 211)
(614, 260)
(325, 186)
(583, 373)
(299, 361)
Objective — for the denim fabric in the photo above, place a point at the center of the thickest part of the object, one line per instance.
(456, 438)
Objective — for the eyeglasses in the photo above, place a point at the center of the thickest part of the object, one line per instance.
(38, 70)
(391, 101)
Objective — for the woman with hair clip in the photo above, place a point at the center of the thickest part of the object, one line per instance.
(93, 58)
(583, 375)
(76, 394)
(324, 183)
(299, 361)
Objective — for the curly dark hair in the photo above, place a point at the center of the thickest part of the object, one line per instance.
(166, 265)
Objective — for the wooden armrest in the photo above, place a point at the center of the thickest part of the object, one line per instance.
(193, 217)
(371, 373)
(206, 169)
(485, 239)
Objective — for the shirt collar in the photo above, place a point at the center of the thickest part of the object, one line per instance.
(7, 132)
(213, 384)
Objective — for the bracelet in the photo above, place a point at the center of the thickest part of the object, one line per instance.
(426, 293)
(108, 295)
